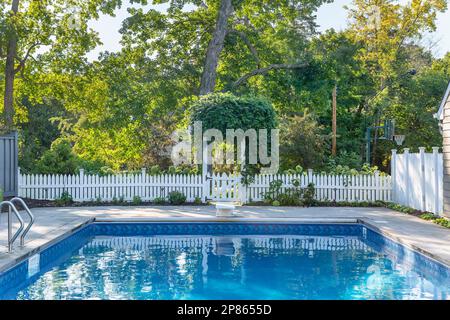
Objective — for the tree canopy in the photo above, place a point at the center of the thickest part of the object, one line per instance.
(120, 110)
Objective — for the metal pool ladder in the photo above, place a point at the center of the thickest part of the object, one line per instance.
(22, 232)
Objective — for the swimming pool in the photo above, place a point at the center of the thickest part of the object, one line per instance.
(226, 261)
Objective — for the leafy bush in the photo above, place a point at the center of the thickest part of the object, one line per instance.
(297, 170)
(1, 195)
(400, 208)
(308, 195)
(293, 196)
(443, 222)
(64, 200)
(159, 200)
(428, 216)
(155, 170)
(176, 198)
(59, 159)
(137, 200)
(198, 200)
(118, 201)
(345, 159)
(172, 170)
(274, 191)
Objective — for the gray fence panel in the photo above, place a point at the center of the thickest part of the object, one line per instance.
(9, 174)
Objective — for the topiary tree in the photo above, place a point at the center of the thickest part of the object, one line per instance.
(224, 111)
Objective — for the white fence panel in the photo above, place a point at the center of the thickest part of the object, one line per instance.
(417, 180)
(106, 188)
(218, 187)
(337, 188)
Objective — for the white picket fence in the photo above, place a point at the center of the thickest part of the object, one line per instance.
(106, 188)
(417, 180)
(218, 187)
(339, 188)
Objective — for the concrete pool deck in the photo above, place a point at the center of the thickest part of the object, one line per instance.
(52, 223)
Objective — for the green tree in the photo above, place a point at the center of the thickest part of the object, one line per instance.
(59, 159)
(197, 42)
(302, 142)
(53, 29)
(385, 29)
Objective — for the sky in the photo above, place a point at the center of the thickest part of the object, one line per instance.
(331, 15)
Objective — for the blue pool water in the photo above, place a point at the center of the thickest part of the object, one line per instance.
(226, 261)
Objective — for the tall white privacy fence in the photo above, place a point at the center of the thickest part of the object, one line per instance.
(217, 187)
(417, 180)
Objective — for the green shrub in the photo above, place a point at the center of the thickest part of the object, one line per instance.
(117, 201)
(1, 195)
(298, 170)
(59, 159)
(428, 216)
(290, 198)
(137, 200)
(159, 200)
(309, 195)
(274, 191)
(276, 203)
(198, 200)
(293, 196)
(155, 170)
(443, 222)
(176, 198)
(64, 200)
(172, 170)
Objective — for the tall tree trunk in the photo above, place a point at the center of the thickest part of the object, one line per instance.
(215, 47)
(8, 107)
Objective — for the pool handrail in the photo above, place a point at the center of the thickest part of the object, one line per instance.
(30, 224)
(12, 239)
